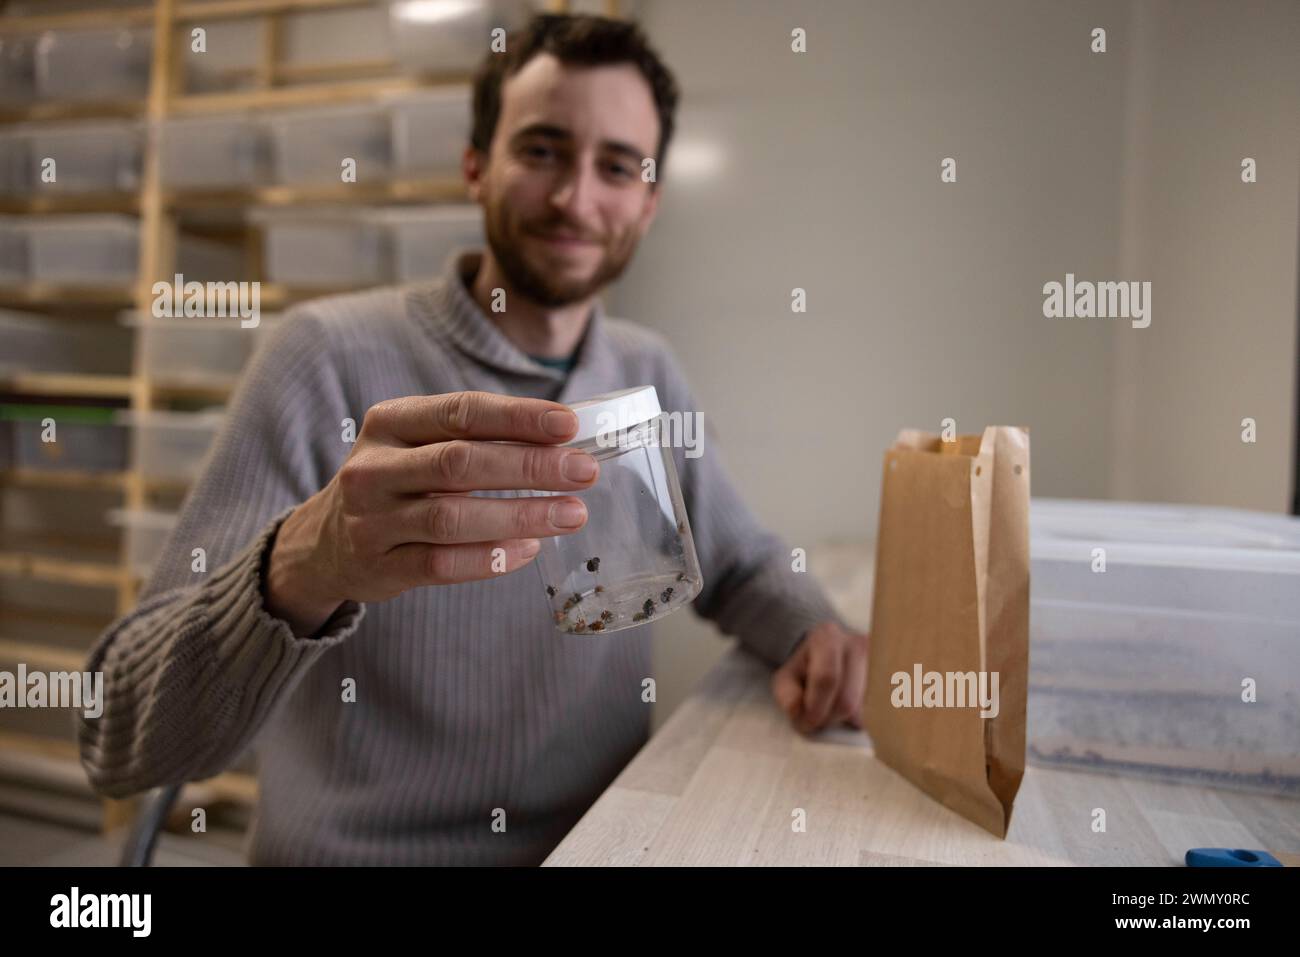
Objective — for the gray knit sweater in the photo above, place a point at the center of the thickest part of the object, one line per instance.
(469, 707)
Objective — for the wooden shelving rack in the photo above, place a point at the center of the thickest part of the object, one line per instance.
(160, 211)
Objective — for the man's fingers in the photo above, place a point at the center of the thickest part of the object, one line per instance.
(824, 681)
(787, 687)
(470, 466)
(486, 416)
(825, 666)
(855, 682)
(463, 519)
(414, 565)
(463, 466)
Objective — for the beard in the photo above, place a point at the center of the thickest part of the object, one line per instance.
(505, 237)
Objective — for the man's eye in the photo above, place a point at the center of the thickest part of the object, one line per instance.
(621, 170)
(538, 151)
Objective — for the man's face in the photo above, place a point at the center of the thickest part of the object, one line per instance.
(563, 197)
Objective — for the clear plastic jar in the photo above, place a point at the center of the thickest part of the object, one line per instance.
(634, 560)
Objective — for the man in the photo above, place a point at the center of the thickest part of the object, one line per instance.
(411, 705)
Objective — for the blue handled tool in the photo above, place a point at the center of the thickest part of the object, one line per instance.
(1228, 857)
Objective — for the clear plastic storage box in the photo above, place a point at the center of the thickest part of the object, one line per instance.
(328, 38)
(83, 249)
(197, 351)
(452, 37)
(109, 63)
(94, 249)
(1144, 666)
(430, 132)
(364, 246)
(313, 248)
(15, 162)
(88, 157)
(14, 264)
(83, 611)
(309, 146)
(171, 446)
(17, 68)
(88, 439)
(421, 238)
(146, 532)
(206, 152)
(39, 343)
(207, 260)
(230, 58)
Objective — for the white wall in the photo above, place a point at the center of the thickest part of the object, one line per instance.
(821, 170)
(1211, 83)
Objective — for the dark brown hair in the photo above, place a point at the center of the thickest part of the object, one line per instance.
(577, 40)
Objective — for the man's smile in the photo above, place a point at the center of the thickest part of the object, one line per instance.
(566, 241)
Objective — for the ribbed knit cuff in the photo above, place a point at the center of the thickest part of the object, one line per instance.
(259, 643)
(210, 653)
(774, 627)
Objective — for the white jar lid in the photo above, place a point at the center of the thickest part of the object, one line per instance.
(614, 411)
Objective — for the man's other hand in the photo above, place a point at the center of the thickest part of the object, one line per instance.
(823, 682)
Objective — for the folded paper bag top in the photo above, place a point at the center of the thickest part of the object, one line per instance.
(949, 657)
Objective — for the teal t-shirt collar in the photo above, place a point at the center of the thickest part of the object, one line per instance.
(564, 364)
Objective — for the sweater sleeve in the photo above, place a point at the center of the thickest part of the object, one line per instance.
(751, 590)
(194, 671)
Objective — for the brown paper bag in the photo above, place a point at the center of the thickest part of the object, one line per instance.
(952, 601)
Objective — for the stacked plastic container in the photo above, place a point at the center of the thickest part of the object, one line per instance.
(1165, 641)
(93, 157)
(199, 352)
(449, 37)
(414, 135)
(77, 65)
(311, 145)
(41, 343)
(350, 34)
(421, 239)
(419, 134)
(83, 250)
(170, 446)
(214, 151)
(364, 246)
(80, 438)
(166, 447)
(146, 532)
(429, 131)
(98, 249)
(229, 58)
(95, 64)
(314, 247)
(13, 250)
(17, 69)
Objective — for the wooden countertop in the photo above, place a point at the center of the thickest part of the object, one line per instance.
(720, 783)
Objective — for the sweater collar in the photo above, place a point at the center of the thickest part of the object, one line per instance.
(461, 320)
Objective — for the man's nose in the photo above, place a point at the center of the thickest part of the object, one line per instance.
(575, 194)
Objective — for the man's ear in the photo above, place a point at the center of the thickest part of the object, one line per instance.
(473, 164)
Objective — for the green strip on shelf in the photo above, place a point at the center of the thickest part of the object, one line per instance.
(87, 414)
